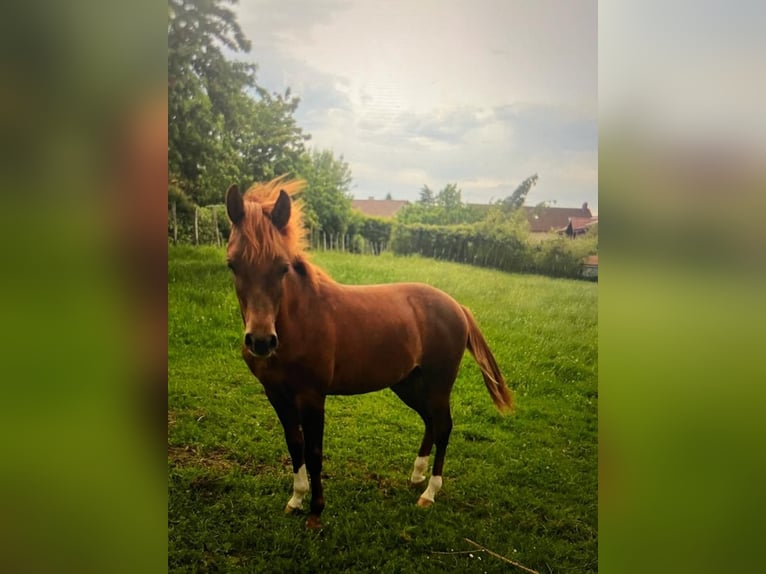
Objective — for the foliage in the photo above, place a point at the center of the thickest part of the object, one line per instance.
(524, 486)
(368, 233)
(427, 196)
(495, 236)
(514, 201)
(502, 245)
(274, 143)
(465, 244)
(560, 257)
(376, 229)
(222, 127)
(444, 208)
(327, 199)
(200, 156)
(177, 196)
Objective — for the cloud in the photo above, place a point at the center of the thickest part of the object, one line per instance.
(425, 93)
(487, 152)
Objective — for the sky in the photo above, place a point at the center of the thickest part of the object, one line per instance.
(412, 93)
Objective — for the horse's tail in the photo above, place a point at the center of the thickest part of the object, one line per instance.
(493, 378)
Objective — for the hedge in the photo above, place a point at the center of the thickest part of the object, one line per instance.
(499, 248)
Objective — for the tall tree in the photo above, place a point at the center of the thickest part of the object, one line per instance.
(427, 196)
(444, 208)
(519, 195)
(274, 143)
(200, 83)
(327, 199)
(450, 198)
(222, 126)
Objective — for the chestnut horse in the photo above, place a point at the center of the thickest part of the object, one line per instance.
(307, 337)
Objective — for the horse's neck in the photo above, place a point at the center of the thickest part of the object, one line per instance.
(301, 302)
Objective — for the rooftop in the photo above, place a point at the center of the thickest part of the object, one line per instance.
(379, 207)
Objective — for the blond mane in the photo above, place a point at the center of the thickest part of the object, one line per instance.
(262, 240)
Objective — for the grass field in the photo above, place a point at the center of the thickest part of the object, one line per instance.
(523, 486)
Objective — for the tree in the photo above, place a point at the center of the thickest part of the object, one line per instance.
(427, 197)
(222, 127)
(327, 199)
(273, 143)
(200, 155)
(450, 198)
(444, 208)
(516, 199)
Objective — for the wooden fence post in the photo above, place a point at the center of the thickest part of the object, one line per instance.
(215, 227)
(175, 225)
(196, 227)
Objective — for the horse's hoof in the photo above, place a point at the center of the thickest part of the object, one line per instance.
(417, 484)
(292, 510)
(424, 502)
(314, 523)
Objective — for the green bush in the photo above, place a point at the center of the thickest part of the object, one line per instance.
(500, 247)
(376, 229)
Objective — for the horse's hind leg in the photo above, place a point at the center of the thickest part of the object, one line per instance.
(411, 391)
(442, 427)
(420, 466)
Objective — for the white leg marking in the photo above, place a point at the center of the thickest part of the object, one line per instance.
(300, 488)
(434, 486)
(419, 471)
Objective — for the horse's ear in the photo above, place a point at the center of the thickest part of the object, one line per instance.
(280, 215)
(235, 205)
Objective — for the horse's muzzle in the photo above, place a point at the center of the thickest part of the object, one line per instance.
(261, 346)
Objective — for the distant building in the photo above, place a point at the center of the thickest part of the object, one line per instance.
(553, 219)
(545, 219)
(578, 226)
(379, 207)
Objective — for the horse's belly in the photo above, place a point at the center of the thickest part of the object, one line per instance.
(365, 372)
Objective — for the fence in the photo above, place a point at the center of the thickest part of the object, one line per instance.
(464, 244)
(209, 225)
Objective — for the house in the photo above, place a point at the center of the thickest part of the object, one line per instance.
(578, 226)
(545, 219)
(379, 207)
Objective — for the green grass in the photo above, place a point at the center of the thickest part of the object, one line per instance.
(524, 486)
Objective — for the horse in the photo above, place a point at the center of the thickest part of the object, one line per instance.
(308, 336)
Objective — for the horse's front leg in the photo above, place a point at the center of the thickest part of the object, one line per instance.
(288, 416)
(312, 421)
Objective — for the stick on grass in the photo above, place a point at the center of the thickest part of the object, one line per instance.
(499, 557)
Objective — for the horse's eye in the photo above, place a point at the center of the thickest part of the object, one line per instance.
(230, 265)
(285, 269)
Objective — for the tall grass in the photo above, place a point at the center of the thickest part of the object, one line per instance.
(524, 486)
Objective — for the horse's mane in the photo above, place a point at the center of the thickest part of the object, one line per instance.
(263, 240)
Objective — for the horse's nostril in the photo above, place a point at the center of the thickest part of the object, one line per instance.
(261, 346)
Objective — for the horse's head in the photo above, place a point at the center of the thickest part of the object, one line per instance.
(259, 255)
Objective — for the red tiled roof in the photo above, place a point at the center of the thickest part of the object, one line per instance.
(543, 219)
(591, 260)
(379, 207)
(580, 224)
